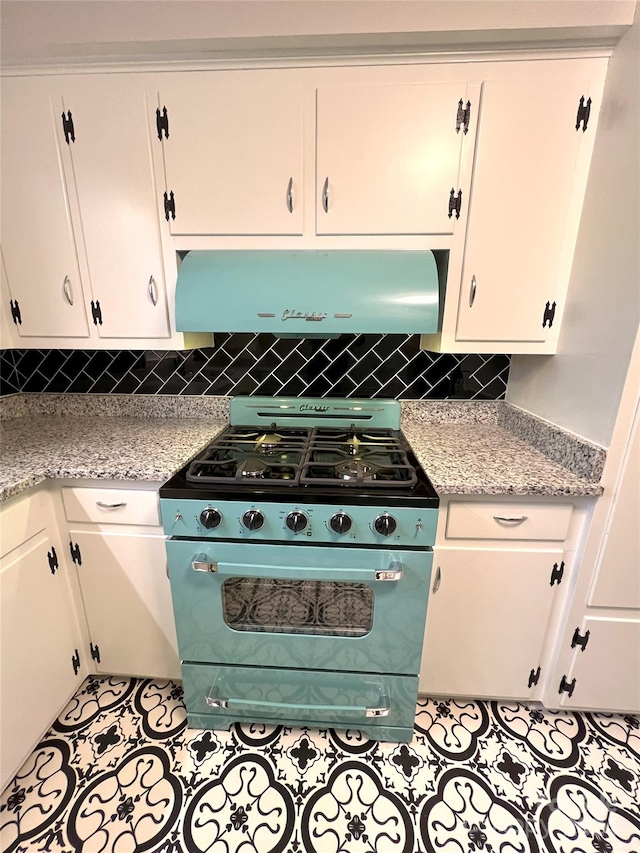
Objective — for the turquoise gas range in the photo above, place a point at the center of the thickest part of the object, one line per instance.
(299, 552)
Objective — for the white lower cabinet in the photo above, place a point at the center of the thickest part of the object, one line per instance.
(127, 601)
(487, 621)
(605, 669)
(41, 656)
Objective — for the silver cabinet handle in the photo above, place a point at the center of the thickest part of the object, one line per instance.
(395, 572)
(472, 291)
(325, 195)
(360, 710)
(66, 289)
(201, 563)
(511, 519)
(290, 195)
(437, 580)
(153, 296)
(110, 506)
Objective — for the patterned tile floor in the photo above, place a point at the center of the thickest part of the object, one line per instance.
(119, 772)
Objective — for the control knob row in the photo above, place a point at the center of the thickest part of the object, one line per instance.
(297, 521)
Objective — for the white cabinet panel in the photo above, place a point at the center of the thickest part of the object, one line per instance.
(523, 178)
(38, 242)
(607, 672)
(39, 636)
(127, 600)
(118, 202)
(617, 582)
(233, 156)
(486, 621)
(389, 157)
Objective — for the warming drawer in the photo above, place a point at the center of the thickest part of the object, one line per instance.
(217, 695)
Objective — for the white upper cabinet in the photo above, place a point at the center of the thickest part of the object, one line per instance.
(118, 203)
(232, 155)
(523, 182)
(388, 157)
(38, 243)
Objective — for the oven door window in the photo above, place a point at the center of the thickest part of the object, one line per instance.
(278, 606)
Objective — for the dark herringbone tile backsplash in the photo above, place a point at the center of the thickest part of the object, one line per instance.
(390, 366)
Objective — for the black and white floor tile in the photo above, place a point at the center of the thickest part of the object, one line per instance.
(120, 772)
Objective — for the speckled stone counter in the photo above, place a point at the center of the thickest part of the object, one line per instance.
(485, 459)
(466, 447)
(40, 447)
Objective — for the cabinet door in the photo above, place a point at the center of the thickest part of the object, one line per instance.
(233, 156)
(39, 637)
(523, 179)
(387, 158)
(118, 204)
(607, 671)
(486, 622)
(38, 242)
(127, 598)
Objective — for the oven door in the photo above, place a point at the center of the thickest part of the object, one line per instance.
(298, 606)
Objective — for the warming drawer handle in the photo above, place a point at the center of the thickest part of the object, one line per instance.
(357, 710)
(110, 506)
(511, 519)
(204, 563)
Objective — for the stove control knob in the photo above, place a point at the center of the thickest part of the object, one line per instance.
(340, 522)
(210, 518)
(385, 524)
(253, 519)
(296, 521)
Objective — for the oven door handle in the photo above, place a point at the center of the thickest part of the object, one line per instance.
(356, 710)
(206, 563)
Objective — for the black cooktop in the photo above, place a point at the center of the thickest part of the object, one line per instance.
(312, 465)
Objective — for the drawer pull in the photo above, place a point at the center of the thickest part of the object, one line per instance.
(66, 289)
(437, 580)
(472, 291)
(110, 506)
(290, 195)
(511, 519)
(325, 196)
(358, 710)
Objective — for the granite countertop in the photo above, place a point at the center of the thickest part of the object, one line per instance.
(466, 448)
(42, 447)
(485, 459)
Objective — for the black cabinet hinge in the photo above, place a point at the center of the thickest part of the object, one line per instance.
(567, 686)
(75, 662)
(15, 312)
(549, 314)
(455, 203)
(67, 126)
(584, 111)
(162, 123)
(169, 206)
(463, 116)
(534, 677)
(76, 556)
(580, 640)
(95, 652)
(556, 573)
(96, 312)
(53, 560)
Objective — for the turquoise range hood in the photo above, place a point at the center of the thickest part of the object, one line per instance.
(308, 293)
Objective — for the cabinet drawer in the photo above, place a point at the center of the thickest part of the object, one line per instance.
(494, 520)
(112, 506)
(20, 522)
(295, 697)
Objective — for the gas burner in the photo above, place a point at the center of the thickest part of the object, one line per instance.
(354, 470)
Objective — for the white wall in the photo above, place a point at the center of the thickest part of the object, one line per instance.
(580, 387)
(46, 30)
